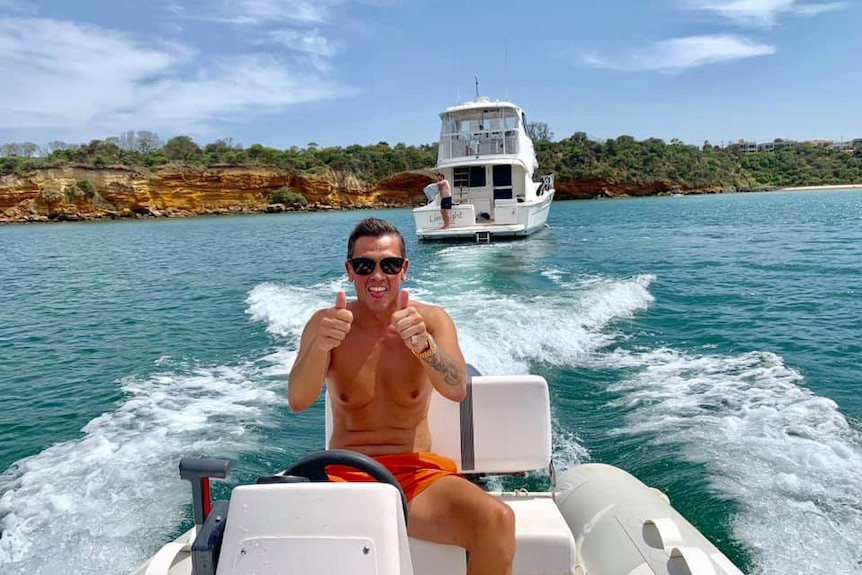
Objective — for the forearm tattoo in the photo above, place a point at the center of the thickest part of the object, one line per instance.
(446, 367)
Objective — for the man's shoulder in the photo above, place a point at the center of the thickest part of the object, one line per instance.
(423, 305)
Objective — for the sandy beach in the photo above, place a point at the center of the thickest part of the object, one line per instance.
(830, 187)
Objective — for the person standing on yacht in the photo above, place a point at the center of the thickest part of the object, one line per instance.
(381, 356)
(445, 199)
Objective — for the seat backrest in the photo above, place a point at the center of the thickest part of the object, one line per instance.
(502, 426)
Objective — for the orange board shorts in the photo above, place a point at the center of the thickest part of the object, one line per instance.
(414, 471)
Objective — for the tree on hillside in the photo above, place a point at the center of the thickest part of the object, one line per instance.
(20, 150)
(143, 141)
(128, 141)
(30, 150)
(10, 150)
(148, 142)
(56, 145)
(181, 148)
(99, 153)
(538, 131)
(577, 157)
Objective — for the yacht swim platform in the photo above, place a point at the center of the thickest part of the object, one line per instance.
(481, 232)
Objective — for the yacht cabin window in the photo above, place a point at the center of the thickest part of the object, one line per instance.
(469, 177)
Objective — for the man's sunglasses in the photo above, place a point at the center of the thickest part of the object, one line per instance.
(365, 266)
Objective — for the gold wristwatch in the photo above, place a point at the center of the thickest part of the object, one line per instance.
(430, 352)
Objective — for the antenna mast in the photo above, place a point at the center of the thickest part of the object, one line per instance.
(506, 68)
(477, 87)
(457, 85)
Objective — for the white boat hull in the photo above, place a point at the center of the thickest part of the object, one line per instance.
(596, 520)
(512, 219)
(624, 527)
(601, 521)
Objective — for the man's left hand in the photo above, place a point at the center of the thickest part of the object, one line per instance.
(410, 324)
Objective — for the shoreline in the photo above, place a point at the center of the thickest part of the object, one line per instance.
(147, 213)
(826, 187)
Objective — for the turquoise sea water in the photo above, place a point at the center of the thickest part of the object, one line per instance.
(710, 345)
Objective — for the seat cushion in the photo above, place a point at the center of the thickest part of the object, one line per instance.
(545, 545)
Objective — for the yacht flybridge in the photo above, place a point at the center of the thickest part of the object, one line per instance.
(488, 158)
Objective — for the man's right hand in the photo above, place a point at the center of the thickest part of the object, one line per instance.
(334, 325)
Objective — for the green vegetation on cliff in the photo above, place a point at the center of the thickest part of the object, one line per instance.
(371, 163)
(627, 160)
(287, 197)
(623, 160)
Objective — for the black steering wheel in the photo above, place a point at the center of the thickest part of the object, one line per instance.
(314, 466)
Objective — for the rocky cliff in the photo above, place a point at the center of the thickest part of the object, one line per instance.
(84, 193)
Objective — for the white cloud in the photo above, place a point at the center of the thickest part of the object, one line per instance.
(174, 8)
(310, 11)
(236, 86)
(17, 7)
(694, 51)
(292, 24)
(307, 41)
(762, 13)
(92, 82)
(260, 12)
(815, 9)
(682, 53)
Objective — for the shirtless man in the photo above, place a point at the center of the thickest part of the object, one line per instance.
(381, 356)
(445, 199)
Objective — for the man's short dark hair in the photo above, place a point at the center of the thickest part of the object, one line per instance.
(374, 228)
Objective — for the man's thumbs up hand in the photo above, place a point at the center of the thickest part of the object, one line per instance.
(403, 299)
(410, 324)
(335, 324)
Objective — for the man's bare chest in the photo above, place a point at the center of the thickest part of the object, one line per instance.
(381, 369)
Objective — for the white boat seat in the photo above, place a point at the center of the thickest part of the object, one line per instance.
(544, 543)
(303, 528)
(503, 426)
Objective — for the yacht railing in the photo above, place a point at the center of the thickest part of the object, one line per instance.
(479, 143)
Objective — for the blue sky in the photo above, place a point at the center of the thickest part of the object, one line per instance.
(339, 72)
